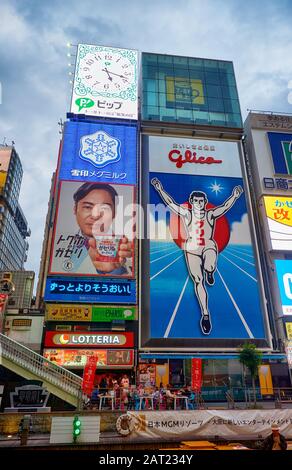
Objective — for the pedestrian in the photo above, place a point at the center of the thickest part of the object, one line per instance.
(274, 441)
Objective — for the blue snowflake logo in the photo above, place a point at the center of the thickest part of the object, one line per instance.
(100, 149)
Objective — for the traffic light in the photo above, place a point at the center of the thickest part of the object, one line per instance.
(76, 428)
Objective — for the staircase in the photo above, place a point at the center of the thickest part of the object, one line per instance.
(32, 366)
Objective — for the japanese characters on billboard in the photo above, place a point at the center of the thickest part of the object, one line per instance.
(284, 276)
(94, 230)
(196, 374)
(94, 290)
(102, 152)
(279, 220)
(201, 263)
(281, 150)
(76, 358)
(100, 313)
(90, 339)
(89, 374)
(105, 82)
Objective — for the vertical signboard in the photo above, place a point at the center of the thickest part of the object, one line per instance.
(105, 82)
(3, 300)
(200, 256)
(88, 375)
(5, 155)
(196, 374)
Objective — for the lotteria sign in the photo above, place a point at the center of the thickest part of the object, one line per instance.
(89, 340)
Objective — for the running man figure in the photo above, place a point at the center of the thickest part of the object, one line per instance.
(201, 251)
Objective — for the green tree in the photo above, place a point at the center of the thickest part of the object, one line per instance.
(251, 358)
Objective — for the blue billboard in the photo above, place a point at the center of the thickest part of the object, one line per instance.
(281, 149)
(99, 152)
(201, 262)
(90, 290)
(284, 276)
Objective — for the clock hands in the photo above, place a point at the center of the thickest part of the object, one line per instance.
(113, 73)
(109, 77)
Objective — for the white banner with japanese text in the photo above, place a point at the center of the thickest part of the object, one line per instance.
(230, 424)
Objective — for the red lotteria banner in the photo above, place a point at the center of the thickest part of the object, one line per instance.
(197, 374)
(88, 375)
(92, 339)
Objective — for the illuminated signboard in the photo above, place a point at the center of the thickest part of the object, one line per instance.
(76, 358)
(288, 326)
(90, 290)
(284, 276)
(99, 152)
(89, 339)
(93, 220)
(107, 313)
(67, 312)
(281, 149)
(201, 261)
(105, 82)
(279, 218)
(61, 312)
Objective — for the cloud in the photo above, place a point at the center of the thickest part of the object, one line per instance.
(240, 233)
(34, 71)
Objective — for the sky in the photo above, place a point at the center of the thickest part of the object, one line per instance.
(34, 73)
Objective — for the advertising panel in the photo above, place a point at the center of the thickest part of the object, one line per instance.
(284, 276)
(279, 218)
(196, 374)
(94, 290)
(200, 255)
(94, 230)
(89, 374)
(281, 149)
(92, 339)
(67, 312)
(5, 155)
(288, 326)
(76, 358)
(95, 152)
(101, 313)
(105, 82)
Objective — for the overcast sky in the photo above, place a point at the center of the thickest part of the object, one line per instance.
(255, 34)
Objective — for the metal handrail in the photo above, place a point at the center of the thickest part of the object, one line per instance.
(42, 367)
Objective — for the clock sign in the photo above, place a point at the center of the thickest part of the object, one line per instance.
(105, 82)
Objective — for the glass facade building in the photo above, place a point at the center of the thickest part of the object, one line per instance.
(13, 224)
(189, 90)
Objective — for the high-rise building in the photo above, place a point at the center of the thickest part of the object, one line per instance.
(13, 224)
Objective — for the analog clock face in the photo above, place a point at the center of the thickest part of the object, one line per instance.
(106, 71)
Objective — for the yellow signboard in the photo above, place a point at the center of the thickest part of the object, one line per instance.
(289, 330)
(279, 209)
(265, 378)
(5, 155)
(184, 90)
(279, 215)
(68, 312)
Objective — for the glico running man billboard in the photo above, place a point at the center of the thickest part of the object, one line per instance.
(200, 282)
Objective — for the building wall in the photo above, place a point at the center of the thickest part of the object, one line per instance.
(29, 335)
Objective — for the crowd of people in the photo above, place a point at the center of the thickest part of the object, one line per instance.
(135, 397)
